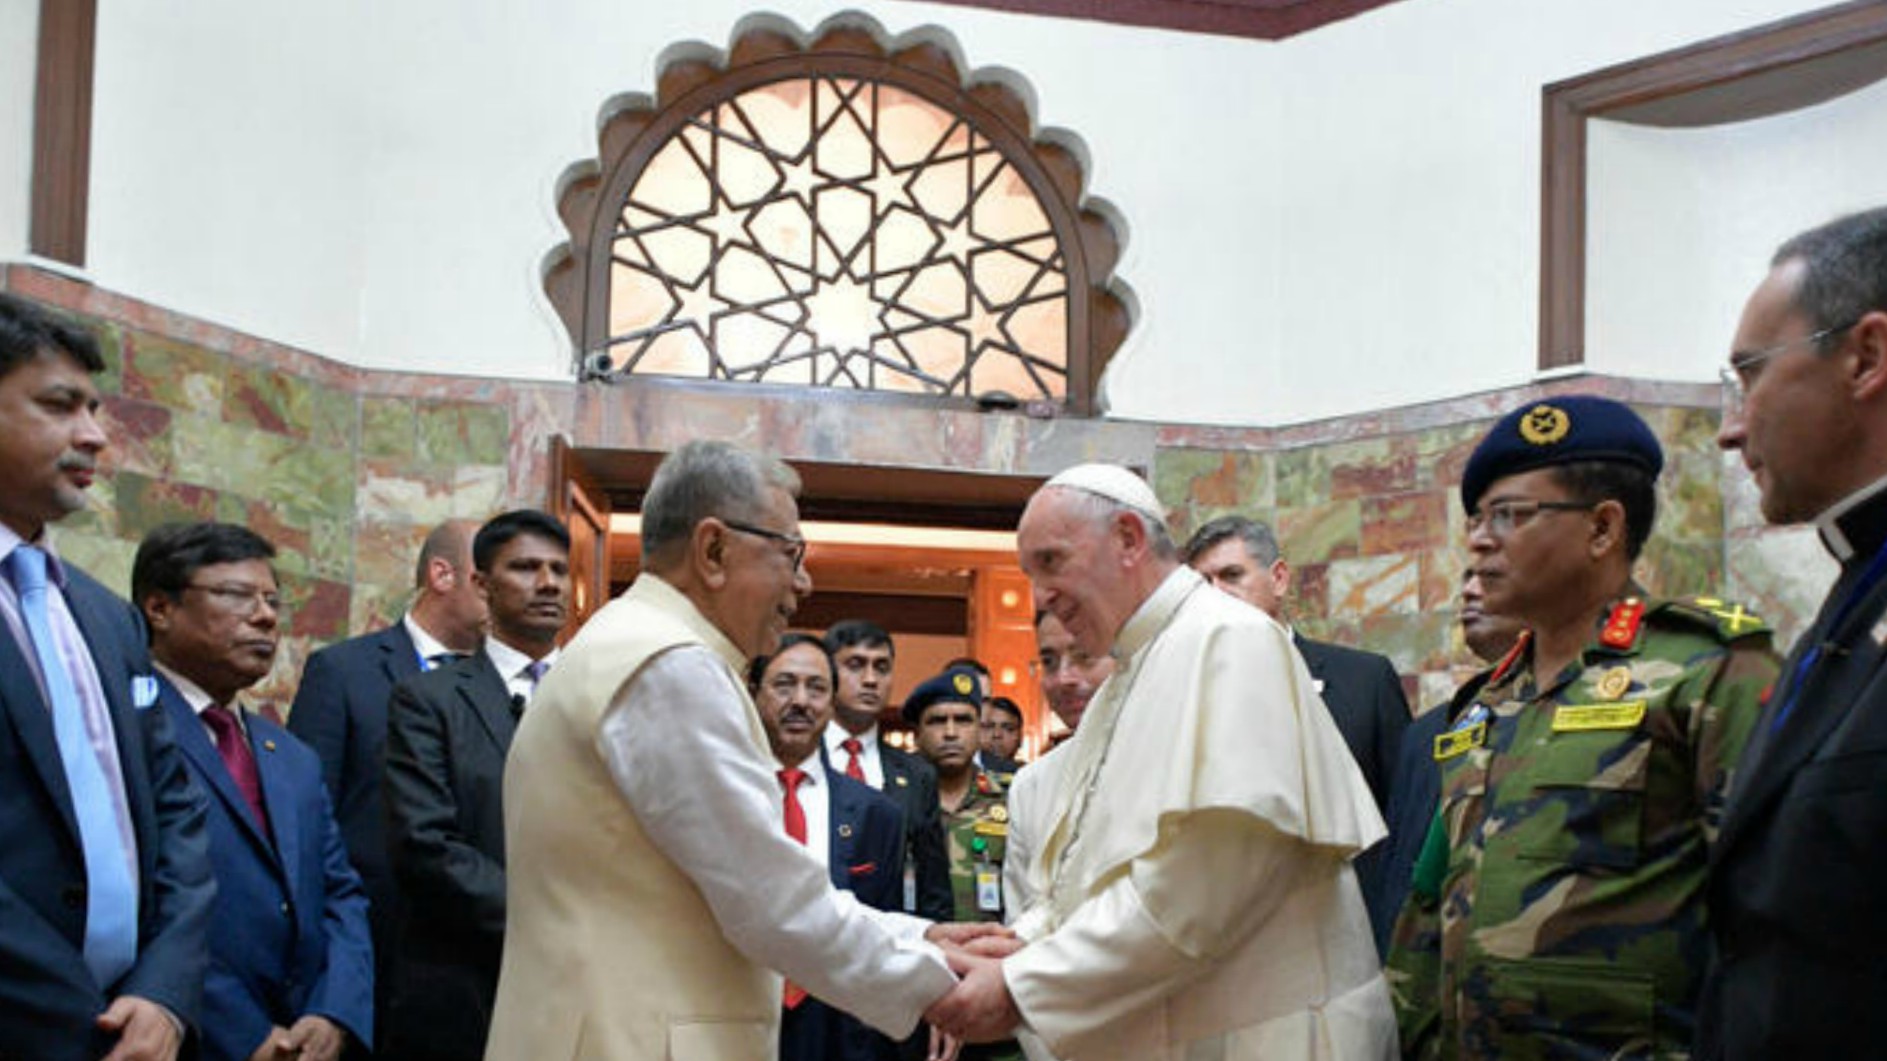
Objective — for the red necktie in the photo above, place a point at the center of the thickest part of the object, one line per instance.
(790, 780)
(854, 767)
(239, 759)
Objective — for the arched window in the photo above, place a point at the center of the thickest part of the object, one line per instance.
(844, 213)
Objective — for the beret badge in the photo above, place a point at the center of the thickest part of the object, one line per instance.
(1544, 425)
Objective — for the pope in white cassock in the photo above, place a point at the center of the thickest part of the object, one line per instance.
(1194, 897)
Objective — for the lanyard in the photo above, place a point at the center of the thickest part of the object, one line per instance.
(1876, 568)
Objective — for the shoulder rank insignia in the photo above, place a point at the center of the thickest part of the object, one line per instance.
(1730, 620)
(1621, 627)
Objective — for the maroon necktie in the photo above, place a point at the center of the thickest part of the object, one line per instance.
(854, 767)
(239, 759)
(790, 780)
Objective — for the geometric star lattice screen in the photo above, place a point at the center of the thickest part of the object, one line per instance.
(836, 214)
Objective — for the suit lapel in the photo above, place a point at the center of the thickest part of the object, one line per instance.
(277, 795)
(489, 699)
(399, 657)
(208, 764)
(31, 719)
(842, 825)
(1820, 707)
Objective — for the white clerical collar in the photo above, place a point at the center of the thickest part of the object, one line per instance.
(1828, 524)
(1152, 615)
(509, 661)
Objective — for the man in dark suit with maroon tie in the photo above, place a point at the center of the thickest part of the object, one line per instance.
(291, 969)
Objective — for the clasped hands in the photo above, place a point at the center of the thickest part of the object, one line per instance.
(979, 1009)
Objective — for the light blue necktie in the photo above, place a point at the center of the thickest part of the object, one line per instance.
(111, 907)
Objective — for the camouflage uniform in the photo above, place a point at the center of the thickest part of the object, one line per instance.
(1557, 908)
(975, 835)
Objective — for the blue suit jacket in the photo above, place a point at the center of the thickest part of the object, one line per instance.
(340, 710)
(865, 834)
(48, 999)
(267, 969)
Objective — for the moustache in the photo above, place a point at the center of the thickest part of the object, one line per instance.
(77, 462)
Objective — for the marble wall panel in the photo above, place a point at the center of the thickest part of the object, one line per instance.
(348, 469)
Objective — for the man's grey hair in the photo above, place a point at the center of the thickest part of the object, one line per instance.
(703, 479)
(1102, 511)
(1258, 539)
(1846, 270)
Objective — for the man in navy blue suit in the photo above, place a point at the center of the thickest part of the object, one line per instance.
(340, 709)
(296, 986)
(105, 886)
(857, 831)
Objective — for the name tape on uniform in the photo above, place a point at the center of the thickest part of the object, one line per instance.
(1579, 718)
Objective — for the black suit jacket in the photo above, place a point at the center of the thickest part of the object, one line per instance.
(340, 711)
(48, 999)
(1796, 872)
(865, 837)
(448, 731)
(1365, 698)
(912, 785)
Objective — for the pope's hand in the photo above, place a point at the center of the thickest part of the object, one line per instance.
(979, 1009)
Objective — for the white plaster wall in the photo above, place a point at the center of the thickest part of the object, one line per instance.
(1345, 221)
(1683, 222)
(19, 39)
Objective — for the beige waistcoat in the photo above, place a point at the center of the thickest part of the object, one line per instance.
(611, 952)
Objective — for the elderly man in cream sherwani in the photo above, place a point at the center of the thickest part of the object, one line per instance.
(652, 887)
(1196, 897)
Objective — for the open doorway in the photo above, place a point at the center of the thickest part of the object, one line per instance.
(928, 555)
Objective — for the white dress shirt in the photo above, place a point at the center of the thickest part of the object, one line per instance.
(815, 798)
(868, 757)
(512, 666)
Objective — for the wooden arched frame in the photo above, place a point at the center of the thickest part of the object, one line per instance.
(577, 274)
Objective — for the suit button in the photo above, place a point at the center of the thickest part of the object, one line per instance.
(284, 909)
(73, 895)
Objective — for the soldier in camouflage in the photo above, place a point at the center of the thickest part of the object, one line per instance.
(972, 801)
(1556, 908)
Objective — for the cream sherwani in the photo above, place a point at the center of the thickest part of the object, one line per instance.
(652, 888)
(1196, 901)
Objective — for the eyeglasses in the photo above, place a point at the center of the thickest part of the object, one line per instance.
(245, 601)
(1049, 664)
(786, 686)
(1501, 518)
(1740, 373)
(795, 545)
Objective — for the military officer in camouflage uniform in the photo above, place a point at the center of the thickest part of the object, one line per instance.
(972, 802)
(1556, 909)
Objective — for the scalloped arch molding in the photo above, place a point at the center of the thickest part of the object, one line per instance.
(595, 205)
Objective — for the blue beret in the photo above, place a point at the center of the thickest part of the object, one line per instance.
(957, 685)
(1553, 431)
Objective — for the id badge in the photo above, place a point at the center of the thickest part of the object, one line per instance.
(988, 888)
